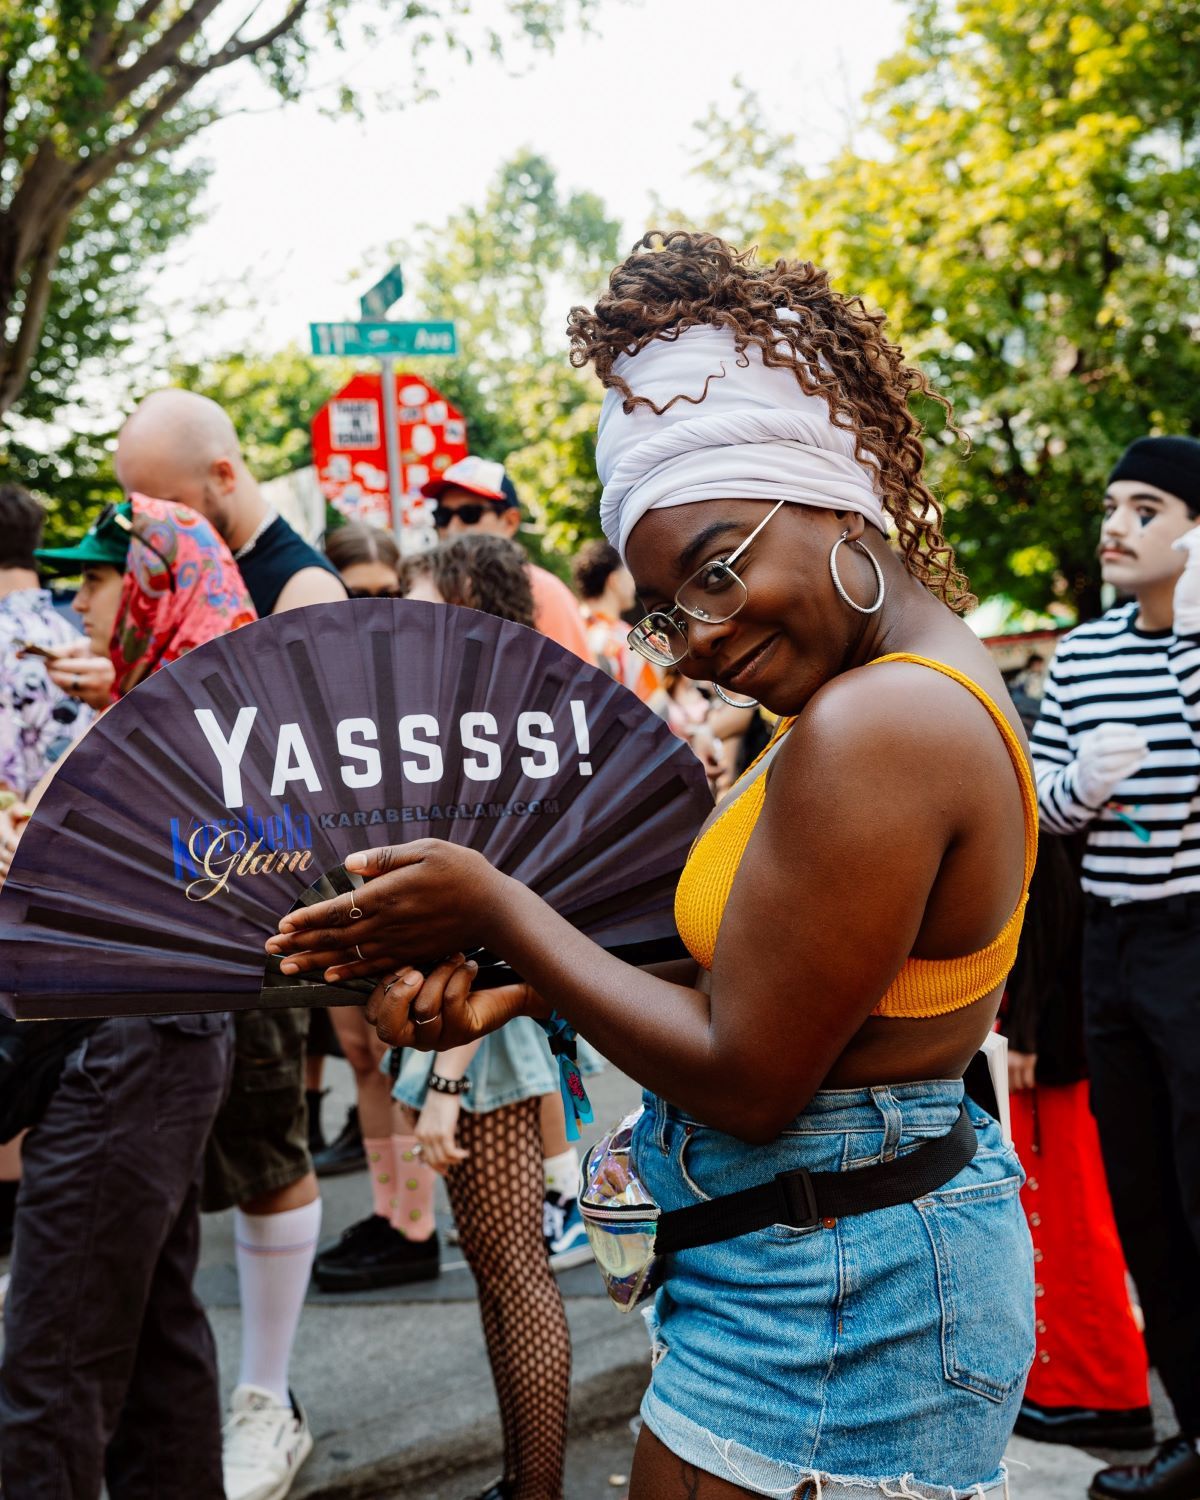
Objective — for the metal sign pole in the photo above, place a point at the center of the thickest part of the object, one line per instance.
(391, 428)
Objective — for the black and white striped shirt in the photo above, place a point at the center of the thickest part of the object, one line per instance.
(1108, 671)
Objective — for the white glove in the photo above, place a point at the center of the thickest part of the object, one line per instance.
(1107, 755)
(1187, 590)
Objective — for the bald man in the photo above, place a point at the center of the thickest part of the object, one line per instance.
(181, 446)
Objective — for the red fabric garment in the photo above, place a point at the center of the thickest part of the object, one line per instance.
(156, 624)
(1089, 1350)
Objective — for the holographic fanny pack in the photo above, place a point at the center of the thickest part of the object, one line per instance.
(631, 1235)
(621, 1218)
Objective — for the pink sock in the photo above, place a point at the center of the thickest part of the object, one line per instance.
(382, 1166)
(412, 1203)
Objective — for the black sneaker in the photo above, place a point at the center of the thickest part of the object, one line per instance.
(1172, 1474)
(373, 1254)
(344, 1154)
(355, 1240)
(1085, 1427)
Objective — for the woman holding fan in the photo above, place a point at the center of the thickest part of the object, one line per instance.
(846, 1290)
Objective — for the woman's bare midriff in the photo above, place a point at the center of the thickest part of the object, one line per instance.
(893, 1050)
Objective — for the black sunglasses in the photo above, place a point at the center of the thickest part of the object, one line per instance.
(111, 512)
(469, 514)
(395, 592)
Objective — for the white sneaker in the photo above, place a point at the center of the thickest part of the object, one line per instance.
(264, 1445)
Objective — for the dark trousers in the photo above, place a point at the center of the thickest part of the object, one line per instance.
(109, 1369)
(1142, 1022)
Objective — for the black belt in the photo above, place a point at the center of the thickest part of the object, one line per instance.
(801, 1199)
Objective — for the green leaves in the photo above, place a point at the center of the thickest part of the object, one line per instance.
(1030, 221)
(506, 271)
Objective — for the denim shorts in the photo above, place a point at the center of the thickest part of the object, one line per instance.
(511, 1064)
(882, 1353)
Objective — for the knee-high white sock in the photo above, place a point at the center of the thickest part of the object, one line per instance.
(274, 1260)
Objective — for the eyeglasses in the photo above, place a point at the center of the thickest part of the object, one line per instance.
(713, 594)
(394, 592)
(112, 512)
(469, 514)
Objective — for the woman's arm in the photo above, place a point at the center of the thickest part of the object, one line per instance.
(827, 905)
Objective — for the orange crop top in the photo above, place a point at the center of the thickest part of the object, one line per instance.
(923, 987)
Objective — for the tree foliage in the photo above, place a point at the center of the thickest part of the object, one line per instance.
(94, 92)
(56, 441)
(1029, 218)
(506, 271)
(270, 400)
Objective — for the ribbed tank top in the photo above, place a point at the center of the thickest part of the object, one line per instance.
(923, 987)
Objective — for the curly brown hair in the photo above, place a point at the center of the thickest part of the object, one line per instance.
(675, 280)
(488, 573)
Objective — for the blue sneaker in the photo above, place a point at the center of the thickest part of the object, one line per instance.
(566, 1239)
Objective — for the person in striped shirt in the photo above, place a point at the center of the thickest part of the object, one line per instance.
(1117, 751)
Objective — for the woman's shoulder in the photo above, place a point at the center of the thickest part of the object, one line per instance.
(903, 723)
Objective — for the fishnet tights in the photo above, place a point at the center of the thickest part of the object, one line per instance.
(496, 1195)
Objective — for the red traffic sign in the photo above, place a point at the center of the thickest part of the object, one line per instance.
(350, 447)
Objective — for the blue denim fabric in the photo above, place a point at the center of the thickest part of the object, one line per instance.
(513, 1063)
(885, 1352)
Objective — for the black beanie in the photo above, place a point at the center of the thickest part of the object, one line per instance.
(1168, 463)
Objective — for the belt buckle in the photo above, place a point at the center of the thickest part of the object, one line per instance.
(799, 1198)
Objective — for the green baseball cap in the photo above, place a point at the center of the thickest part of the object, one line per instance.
(106, 541)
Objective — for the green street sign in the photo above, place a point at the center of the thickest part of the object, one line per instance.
(383, 295)
(383, 340)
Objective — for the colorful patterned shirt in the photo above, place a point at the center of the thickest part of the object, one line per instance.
(38, 721)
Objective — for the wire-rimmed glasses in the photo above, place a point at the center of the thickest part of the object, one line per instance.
(713, 594)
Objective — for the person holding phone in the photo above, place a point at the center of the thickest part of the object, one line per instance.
(109, 1373)
(39, 717)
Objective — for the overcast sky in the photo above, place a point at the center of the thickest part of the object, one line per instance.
(299, 205)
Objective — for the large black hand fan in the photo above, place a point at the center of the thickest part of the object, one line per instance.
(232, 784)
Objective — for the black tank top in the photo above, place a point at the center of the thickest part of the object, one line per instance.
(278, 555)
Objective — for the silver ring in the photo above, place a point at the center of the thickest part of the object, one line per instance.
(355, 912)
(395, 979)
(428, 1021)
(417, 1149)
(359, 951)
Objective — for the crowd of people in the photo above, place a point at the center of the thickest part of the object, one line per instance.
(900, 1327)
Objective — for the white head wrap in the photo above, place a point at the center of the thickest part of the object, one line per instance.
(754, 436)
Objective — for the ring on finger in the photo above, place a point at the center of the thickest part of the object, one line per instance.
(359, 951)
(428, 1021)
(355, 911)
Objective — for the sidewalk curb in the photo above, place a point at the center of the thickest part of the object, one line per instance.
(597, 1401)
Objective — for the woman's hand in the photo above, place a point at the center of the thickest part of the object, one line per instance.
(421, 901)
(436, 1128)
(435, 1013)
(1022, 1070)
(78, 671)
